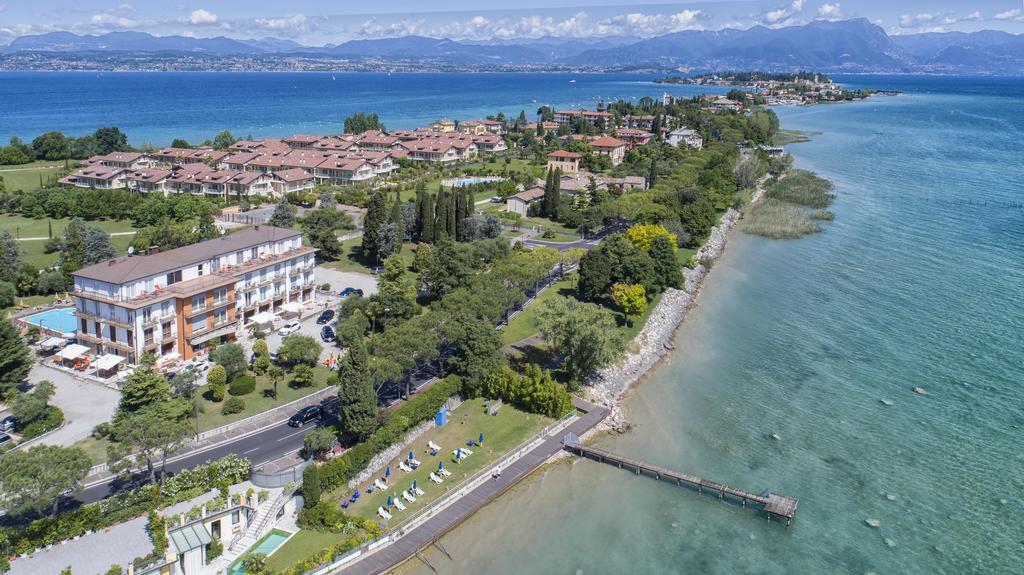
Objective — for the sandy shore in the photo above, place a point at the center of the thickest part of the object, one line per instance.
(610, 386)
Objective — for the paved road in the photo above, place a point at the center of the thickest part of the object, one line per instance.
(431, 530)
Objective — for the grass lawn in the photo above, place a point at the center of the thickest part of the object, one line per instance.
(26, 177)
(502, 433)
(259, 400)
(545, 224)
(352, 261)
(302, 545)
(22, 227)
(96, 449)
(31, 300)
(525, 324)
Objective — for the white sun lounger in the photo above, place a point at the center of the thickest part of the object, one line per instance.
(408, 497)
(433, 446)
(383, 513)
(444, 472)
(466, 451)
(404, 467)
(414, 462)
(435, 478)
(379, 484)
(418, 491)
(398, 504)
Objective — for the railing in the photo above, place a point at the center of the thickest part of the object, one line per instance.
(268, 480)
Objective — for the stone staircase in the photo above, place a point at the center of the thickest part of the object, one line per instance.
(259, 526)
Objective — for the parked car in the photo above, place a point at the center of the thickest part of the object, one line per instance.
(290, 327)
(350, 291)
(325, 316)
(5, 439)
(327, 334)
(495, 199)
(7, 423)
(305, 415)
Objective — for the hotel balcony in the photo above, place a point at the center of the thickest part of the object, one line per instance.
(223, 328)
(103, 320)
(213, 306)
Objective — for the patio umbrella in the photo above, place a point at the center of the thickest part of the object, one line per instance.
(387, 473)
(414, 485)
(389, 501)
(458, 453)
(356, 494)
(410, 456)
(440, 466)
(481, 440)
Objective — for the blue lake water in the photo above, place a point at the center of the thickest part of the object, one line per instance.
(158, 107)
(918, 282)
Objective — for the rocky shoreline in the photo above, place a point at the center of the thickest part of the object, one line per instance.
(609, 386)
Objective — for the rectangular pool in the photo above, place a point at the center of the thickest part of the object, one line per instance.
(57, 319)
(266, 546)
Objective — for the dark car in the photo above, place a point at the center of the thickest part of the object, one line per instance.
(7, 423)
(327, 334)
(305, 415)
(5, 439)
(325, 316)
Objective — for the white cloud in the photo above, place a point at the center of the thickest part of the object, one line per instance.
(1015, 15)
(373, 29)
(830, 11)
(289, 25)
(782, 15)
(114, 21)
(202, 17)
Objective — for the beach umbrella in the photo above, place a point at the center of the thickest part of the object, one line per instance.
(414, 485)
(389, 501)
(458, 453)
(440, 466)
(481, 440)
(410, 456)
(387, 472)
(356, 494)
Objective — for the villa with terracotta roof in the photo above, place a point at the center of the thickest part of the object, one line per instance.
(614, 148)
(97, 176)
(178, 156)
(568, 162)
(520, 203)
(634, 137)
(130, 160)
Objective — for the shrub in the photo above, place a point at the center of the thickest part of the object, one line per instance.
(242, 385)
(548, 234)
(214, 550)
(54, 418)
(8, 294)
(232, 357)
(262, 364)
(310, 486)
(325, 287)
(233, 405)
(157, 527)
(115, 569)
(217, 379)
(299, 349)
(259, 347)
(103, 430)
(324, 516)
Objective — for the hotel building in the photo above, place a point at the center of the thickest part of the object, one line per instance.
(174, 303)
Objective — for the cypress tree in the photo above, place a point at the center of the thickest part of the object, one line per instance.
(549, 188)
(358, 398)
(376, 215)
(421, 193)
(15, 359)
(396, 217)
(441, 221)
(427, 219)
(451, 214)
(656, 127)
(652, 175)
(556, 192)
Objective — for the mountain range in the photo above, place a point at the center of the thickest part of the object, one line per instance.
(854, 45)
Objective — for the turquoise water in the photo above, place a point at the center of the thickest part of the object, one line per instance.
(918, 282)
(266, 546)
(470, 181)
(60, 319)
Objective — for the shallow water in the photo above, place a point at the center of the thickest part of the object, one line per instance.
(918, 282)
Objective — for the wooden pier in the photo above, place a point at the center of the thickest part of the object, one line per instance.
(773, 503)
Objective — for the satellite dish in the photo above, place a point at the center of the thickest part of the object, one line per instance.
(131, 250)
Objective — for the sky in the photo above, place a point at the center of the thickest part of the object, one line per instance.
(318, 22)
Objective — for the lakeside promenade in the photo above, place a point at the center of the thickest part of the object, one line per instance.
(411, 542)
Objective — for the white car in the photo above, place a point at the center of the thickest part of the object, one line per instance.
(290, 327)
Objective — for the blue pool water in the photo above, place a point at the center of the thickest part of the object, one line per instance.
(61, 319)
(471, 181)
(266, 546)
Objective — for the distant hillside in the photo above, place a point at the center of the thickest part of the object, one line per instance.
(844, 46)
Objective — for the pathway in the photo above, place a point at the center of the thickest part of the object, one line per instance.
(390, 556)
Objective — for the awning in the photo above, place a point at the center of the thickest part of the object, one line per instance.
(53, 342)
(190, 537)
(73, 351)
(263, 317)
(292, 307)
(108, 361)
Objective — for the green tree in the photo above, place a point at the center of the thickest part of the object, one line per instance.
(142, 389)
(51, 146)
(666, 266)
(642, 235)
(143, 438)
(15, 359)
(421, 259)
(110, 139)
(318, 442)
(358, 397)
(595, 275)
(297, 349)
(376, 216)
(310, 485)
(361, 122)
(10, 257)
(232, 357)
(321, 227)
(223, 140)
(32, 406)
(447, 270)
(630, 298)
(8, 294)
(276, 374)
(302, 375)
(34, 479)
(427, 219)
(582, 333)
(652, 173)
(217, 380)
(180, 143)
(395, 299)
(283, 216)
(476, 351)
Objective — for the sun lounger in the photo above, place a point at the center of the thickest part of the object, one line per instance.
(415, 463)
(444, 472)
(379, 484)
(404, 467)
(435, 478)
(466, 452)
(418, 491)
(383, 513)
(408, 497)
(433, 446)
(398, 504)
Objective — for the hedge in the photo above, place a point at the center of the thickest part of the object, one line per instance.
(53, 419)
(242, 385)
(420, 408)
(127, 505)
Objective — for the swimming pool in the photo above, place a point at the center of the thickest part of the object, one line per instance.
(266, 546)
(57, 319)
(469, 181)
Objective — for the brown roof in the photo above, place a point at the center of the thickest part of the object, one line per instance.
(564, 154)
(531, 194)
(293, 175)
(607, 142)
(130, 268)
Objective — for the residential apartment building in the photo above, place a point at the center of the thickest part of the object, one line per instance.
(97, 176)
(564, 117)
(175, 303)
(685, 137)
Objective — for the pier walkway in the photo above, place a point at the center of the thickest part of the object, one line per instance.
(409, 543)
(772, 503)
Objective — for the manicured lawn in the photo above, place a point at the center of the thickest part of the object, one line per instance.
(502, 433)
(22, 227)
(525, 324)
(26, 177)
(96, 449)
(352, 260)
(259, 400)
(32, 300)
(545, 224)
(302, 545)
